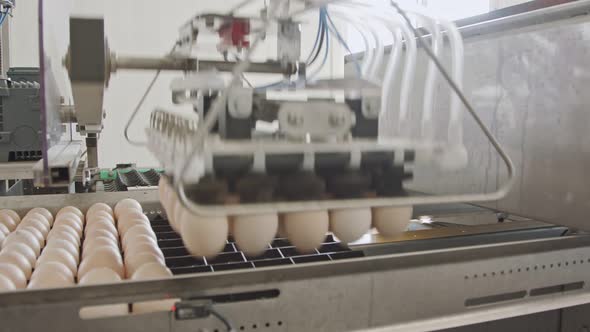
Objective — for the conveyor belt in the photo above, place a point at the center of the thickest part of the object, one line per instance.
(280, 252)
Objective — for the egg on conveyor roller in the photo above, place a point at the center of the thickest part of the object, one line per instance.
(39, 224)
(35, 232)
(147, 272)
(12, 214)
(163, 192)
(125, 205)
(101, 276)
(70, 220)
(137, 239)
(64, 232)
(22, 249)
(24, 237)
(13, 273)
(43, 212)
(71, 209)
(133, 263)
(51, 275)
(100, 215)
(7, 221)
(58, 255)
(253, 233)
(95, 242)
(392, 220)
(68, 246)
(6, 284)
(18, 259)
(4, 230)
(96, 207)
(140, 229)
(350, 225)
(102, 257)
(137, 248)
(203, 236)
(306, 230)
(101, 224)
(99, 232)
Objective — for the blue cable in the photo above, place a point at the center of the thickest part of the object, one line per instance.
(3, 17)
(334, 30)
(323, 13)
(317, 39)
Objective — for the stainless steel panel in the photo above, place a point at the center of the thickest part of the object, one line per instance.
(528, 84)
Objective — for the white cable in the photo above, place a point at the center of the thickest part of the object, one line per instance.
(431, 78)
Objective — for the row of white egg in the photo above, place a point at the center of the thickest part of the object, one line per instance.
(57, 265)
(143, 260)
(22, 245)
(252, 233)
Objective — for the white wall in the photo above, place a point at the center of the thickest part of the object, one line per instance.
(142, 27)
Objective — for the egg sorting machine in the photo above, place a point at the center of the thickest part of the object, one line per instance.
(448, 280)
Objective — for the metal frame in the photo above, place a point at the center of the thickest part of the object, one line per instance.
(412, 291)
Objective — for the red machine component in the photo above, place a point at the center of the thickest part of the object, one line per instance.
(235, 33)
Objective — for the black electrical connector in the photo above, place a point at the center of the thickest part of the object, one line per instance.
(198, 309)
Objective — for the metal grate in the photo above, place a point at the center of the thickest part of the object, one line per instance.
(279, 252)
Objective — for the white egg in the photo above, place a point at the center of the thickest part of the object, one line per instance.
(126, 224)
(58, 255)
(70, 215)
(102, 257)
(4, 230)
(138, 238)
(13, 272)
(98, 244)
(100, 215)
(101, 224)
(306, 230)
(22, 249)
(43, 212)
(18, 259)
(12, 214)
(137, 230)
(24, 237)
(152, 271)
(51, 275)
(36, 223)
(253, 233)
(101, 276)
(137, 248)
(71, 209)
(163, 192)
(68, 246)
(392, 221)
(99, 207)
(7, 221)
(71, 222)
(132, 263)
(174, 218)
(350, 225)
(36, 233)
(94, 242)
(64, 232)
(203, 236)
(127, 204)
(101, 232)
(6, 284)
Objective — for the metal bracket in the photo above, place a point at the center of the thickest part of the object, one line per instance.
(239, 102)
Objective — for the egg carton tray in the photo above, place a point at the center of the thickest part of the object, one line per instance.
(279, 252)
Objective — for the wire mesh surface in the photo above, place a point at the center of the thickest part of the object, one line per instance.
(279, 252)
